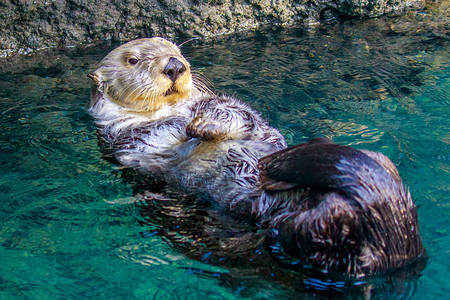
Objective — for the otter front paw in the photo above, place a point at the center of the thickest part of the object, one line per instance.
(205, 129)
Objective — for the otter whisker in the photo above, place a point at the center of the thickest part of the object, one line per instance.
(115, 95)
(131, 98)
(146, 98)
(200, 76)
(142, 90)
(134, 94)
(187, 41)
(149, 99)
(203, 89)
(201, 82)
(118, 96)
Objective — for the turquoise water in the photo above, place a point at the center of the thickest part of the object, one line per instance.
(73, 226)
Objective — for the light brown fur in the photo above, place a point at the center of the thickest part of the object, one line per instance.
(125, 84)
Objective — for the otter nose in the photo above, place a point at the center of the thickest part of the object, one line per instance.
(174, 69)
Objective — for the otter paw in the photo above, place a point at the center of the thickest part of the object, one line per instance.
(205, 129)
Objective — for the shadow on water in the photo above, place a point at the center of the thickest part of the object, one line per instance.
(355, 82)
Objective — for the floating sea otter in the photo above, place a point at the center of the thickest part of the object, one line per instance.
(336, 208)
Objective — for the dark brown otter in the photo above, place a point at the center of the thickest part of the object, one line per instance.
(338, 208)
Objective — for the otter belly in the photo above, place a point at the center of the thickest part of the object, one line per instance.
(224, 173)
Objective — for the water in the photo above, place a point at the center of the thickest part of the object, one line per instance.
(71, 224)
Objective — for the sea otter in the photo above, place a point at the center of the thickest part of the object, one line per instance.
(336, 208)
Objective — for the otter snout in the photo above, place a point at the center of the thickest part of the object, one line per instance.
(174, 69)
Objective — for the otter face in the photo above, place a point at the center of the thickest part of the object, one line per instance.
(143, 75)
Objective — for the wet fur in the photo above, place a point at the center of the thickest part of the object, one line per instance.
(346, 211)
(348, 204)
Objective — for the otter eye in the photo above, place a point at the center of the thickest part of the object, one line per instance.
(133, 61)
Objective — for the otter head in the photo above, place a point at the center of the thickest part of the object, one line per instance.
(143, 75)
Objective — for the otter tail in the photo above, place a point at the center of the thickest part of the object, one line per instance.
(338, 208)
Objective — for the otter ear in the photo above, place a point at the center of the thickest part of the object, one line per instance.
(97, 86)
(95, 76)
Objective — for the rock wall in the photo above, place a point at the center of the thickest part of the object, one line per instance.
(35, 24)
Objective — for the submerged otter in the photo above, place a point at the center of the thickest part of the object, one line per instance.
(334, 207)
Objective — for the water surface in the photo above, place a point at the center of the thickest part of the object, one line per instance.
(72, 224)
